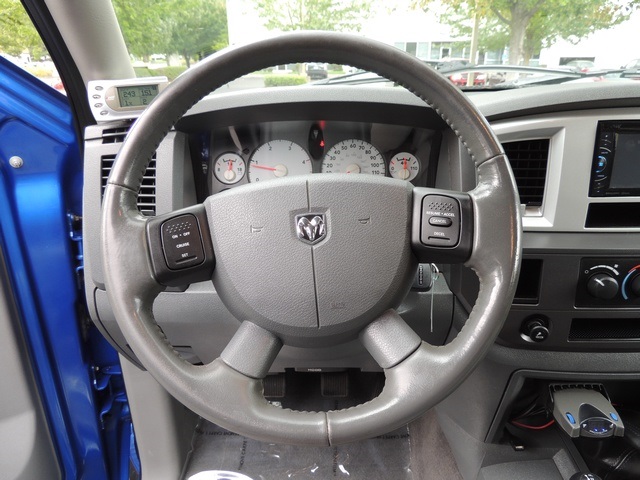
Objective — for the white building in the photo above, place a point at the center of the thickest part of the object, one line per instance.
(610, 48)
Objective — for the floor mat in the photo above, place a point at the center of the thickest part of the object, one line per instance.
(218, 450)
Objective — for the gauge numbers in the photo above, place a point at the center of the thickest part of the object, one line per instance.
(229, 168)
(404, 166)
(353, 156)
(277, 159)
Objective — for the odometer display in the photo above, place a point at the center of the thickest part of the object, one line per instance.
(354, 156)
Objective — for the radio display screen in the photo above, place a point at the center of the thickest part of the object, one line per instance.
(626, 163)
(136, 95)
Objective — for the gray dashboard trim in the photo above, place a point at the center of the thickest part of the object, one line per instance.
(493, 105)
(557, 98)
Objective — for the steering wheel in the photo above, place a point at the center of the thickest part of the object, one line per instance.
(312, 260)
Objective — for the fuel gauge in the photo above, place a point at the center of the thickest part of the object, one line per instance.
(229, 168)
(404, 166)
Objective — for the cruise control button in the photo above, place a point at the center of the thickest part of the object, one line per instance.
(440, 221)
(181, 242)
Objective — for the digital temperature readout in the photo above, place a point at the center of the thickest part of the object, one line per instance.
(136, 95)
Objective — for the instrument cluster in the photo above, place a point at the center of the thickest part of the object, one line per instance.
(269, 151)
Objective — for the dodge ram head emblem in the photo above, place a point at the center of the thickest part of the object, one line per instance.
(311, 227)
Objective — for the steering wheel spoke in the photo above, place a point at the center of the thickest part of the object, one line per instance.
(389, 339)
(180, 246)
(442, 225)
(252, 350)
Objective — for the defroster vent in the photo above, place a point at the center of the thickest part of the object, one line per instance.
(147, 192)
(529, 160)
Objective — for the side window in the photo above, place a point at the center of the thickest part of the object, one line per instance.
(21, 45)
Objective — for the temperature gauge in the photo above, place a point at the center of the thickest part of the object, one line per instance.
(404, 166)
(229, 168)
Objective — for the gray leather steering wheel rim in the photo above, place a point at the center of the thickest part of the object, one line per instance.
(417, 379)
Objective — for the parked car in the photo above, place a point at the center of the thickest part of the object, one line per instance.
(581, 65)
(632, 65)
(317, 281)
(317, 71)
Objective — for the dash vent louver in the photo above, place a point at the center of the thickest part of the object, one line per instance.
(115, 135)
(147, 192)
(529, 160)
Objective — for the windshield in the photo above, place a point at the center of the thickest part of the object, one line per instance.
(468, 41)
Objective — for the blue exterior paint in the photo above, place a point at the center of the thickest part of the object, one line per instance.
(36, 124)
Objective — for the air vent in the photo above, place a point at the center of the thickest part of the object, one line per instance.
(115, 135)
(528, 160)
(147, 192)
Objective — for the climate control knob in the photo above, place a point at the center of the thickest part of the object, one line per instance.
(602, 285)
(635, 286)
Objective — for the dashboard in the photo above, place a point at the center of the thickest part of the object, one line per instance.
(229, 140)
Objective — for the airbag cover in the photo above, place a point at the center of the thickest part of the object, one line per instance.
(313, 293)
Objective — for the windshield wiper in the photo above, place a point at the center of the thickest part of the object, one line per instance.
(490, 77)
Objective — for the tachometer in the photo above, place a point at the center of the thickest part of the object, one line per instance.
(276, 159)
(353, 156)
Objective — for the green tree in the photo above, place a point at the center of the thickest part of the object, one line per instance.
(572, 20)
(200, 29)
(17, 33)
(185, 27)
(337, 15)
(493, 36)
(533, 24)
(145, 25)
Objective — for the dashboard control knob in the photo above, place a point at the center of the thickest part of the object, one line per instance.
(584, 476)
(602, 285)
(635, 286)
(535, 330)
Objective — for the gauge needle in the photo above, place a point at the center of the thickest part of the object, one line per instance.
(279, 170)
(263, 167)
(229, 174)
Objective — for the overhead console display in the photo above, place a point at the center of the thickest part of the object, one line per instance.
(615, 171)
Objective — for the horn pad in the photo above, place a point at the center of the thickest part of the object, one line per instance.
(313, 258)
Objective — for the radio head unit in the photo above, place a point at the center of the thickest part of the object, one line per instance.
(615, 171)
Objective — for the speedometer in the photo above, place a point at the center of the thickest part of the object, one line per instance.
(276, 159)
(353, 156)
